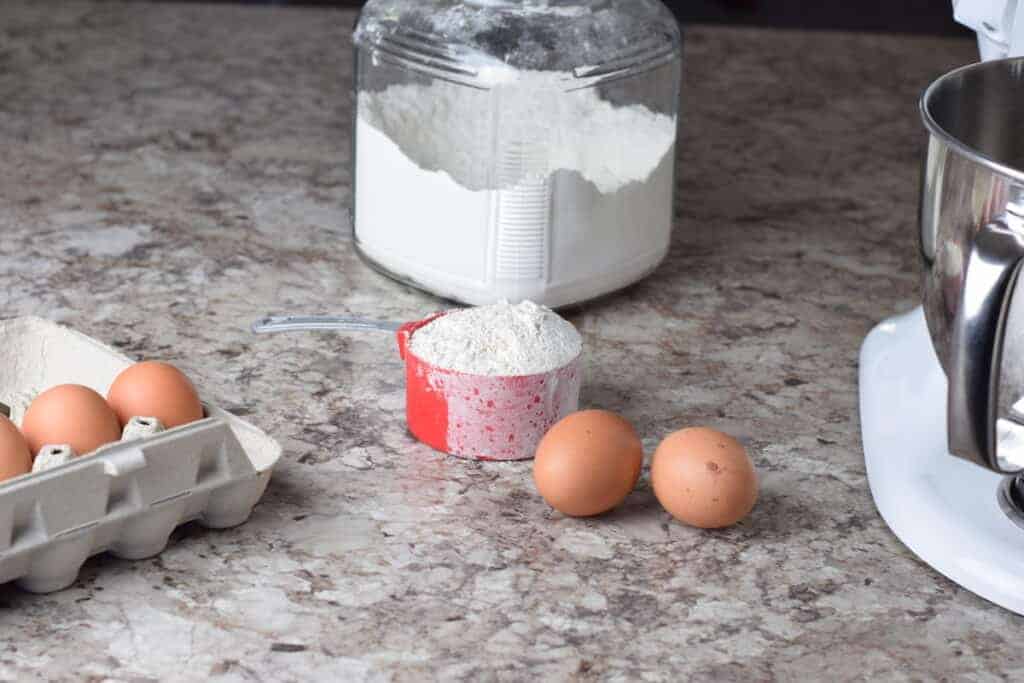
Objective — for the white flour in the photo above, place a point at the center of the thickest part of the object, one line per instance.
(521, 191)
(501, 339)
(447, 128)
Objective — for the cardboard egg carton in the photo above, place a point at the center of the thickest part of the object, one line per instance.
(127, 497)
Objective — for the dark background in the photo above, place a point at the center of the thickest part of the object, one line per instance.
(899, 16)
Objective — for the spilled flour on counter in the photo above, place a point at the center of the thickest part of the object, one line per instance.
(500, 339)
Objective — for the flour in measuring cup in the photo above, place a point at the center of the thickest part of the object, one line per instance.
(501, 339)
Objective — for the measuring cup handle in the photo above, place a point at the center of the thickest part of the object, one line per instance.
(295, 323)
(981, 338)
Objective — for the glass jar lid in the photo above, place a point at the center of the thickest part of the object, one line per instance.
(475, 41)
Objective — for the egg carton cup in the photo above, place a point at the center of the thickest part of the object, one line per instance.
(127, 497)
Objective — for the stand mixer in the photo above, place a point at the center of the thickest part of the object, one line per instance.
(948, 378)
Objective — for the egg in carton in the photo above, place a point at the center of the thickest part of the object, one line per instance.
(128, 496)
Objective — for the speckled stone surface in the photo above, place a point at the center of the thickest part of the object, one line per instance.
(170, 172)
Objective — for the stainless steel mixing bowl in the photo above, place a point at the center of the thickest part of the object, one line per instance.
(972, 245)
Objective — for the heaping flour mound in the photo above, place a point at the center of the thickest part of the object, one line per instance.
(500, 339)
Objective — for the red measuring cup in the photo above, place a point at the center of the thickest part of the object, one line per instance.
(484, 417)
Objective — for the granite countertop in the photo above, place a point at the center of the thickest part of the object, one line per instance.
(170, 172)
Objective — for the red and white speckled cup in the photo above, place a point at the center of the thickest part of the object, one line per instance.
(479, 416)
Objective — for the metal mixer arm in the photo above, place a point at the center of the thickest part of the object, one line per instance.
(988, 331)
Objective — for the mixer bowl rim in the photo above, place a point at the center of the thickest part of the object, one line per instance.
(950, 140)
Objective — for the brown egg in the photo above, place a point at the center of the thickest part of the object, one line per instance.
(588, 463)
(70, 414)
(155, 389)
(15, 458)
(704, 478)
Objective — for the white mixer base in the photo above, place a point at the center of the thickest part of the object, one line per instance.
(944, 509)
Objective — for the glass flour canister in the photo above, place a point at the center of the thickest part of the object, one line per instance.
(515, 149)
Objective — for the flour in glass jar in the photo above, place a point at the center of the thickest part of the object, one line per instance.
(436, 164)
